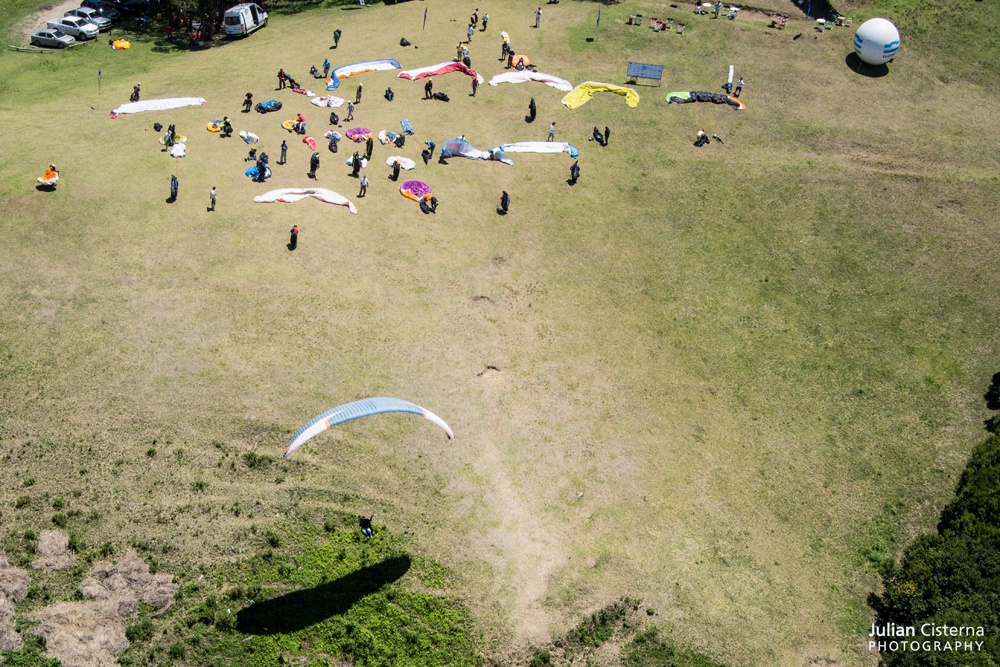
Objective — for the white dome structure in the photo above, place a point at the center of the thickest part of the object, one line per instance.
(876, 41)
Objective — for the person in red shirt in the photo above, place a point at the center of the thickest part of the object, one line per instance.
(294, 242)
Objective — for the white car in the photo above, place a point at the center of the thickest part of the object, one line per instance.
(74, 25)
(91, 16)
(59, 40)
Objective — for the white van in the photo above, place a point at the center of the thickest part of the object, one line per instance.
(244, 19)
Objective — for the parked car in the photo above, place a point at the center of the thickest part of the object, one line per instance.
(76, 26)
(91, 16)
(108, 10)
(243, 19)
(133, 7)
(54, 38)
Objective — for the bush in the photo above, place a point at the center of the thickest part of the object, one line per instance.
(59, 519)
(950, 577)
(648, 650)
(140, 632)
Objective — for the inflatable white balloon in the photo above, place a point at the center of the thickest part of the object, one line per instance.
(876, 41)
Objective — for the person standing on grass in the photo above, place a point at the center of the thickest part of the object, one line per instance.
(293, 243)
(175, 186)
(531, 110)
(369, 146)
(357, 99)
(211, 196)
(504, 197)
(248, 103)
(428, 89)
(350, 111)
(574, 173)
(326, 67)
(475, 86)
(538, 17)
(395, 171)
(739, 87)
(336, 37)
(552, 132)
(284, 152)
(468, 34)
(607, 134)
(364, 186)
(313, 165)
(474, 19)
(486, 19)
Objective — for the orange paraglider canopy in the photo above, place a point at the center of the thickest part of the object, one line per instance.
(521, 60)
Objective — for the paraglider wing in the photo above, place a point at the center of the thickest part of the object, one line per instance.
(356, 410)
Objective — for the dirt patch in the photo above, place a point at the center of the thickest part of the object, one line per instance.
(37, 21)
(10, 639)
(53, 551)
(130, 582)
(13, 580)
(91, 634)
(83, 634)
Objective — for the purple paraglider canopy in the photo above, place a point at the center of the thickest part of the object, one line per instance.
(358, 134)
(415, 190)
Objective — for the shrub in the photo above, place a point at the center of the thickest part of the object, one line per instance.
(59, 519)
(140, 631)
(950, 577)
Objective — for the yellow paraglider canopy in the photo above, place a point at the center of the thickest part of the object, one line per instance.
(582, 94)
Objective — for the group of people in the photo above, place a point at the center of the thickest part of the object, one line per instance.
(601, 139)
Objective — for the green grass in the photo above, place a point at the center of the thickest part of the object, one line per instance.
(322, 594)
(761, 364)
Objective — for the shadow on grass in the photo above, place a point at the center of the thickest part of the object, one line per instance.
(864, 69)
(298, 610)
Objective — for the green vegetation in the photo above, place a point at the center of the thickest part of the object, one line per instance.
(649, 650)
(951, 577)
(321, 593)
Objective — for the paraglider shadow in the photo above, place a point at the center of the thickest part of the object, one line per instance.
(863, 68)
(300, 609)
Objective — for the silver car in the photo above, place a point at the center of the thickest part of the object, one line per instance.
(91, 16)
(76, 26)
(54, 38)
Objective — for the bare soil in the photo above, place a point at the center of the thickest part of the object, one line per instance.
(92, 633)
(39, 19)
(53, 551)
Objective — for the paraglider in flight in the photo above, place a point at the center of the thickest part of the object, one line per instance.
(355, 410)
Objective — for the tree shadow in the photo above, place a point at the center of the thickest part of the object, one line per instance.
(864, 69)
(300, 609)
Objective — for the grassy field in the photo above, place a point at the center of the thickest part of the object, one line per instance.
(728, 381)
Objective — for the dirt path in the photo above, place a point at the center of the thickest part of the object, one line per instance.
(37, 21)
(528, 550)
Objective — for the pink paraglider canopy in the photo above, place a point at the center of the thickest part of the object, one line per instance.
(415, 190)
(358, 134)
